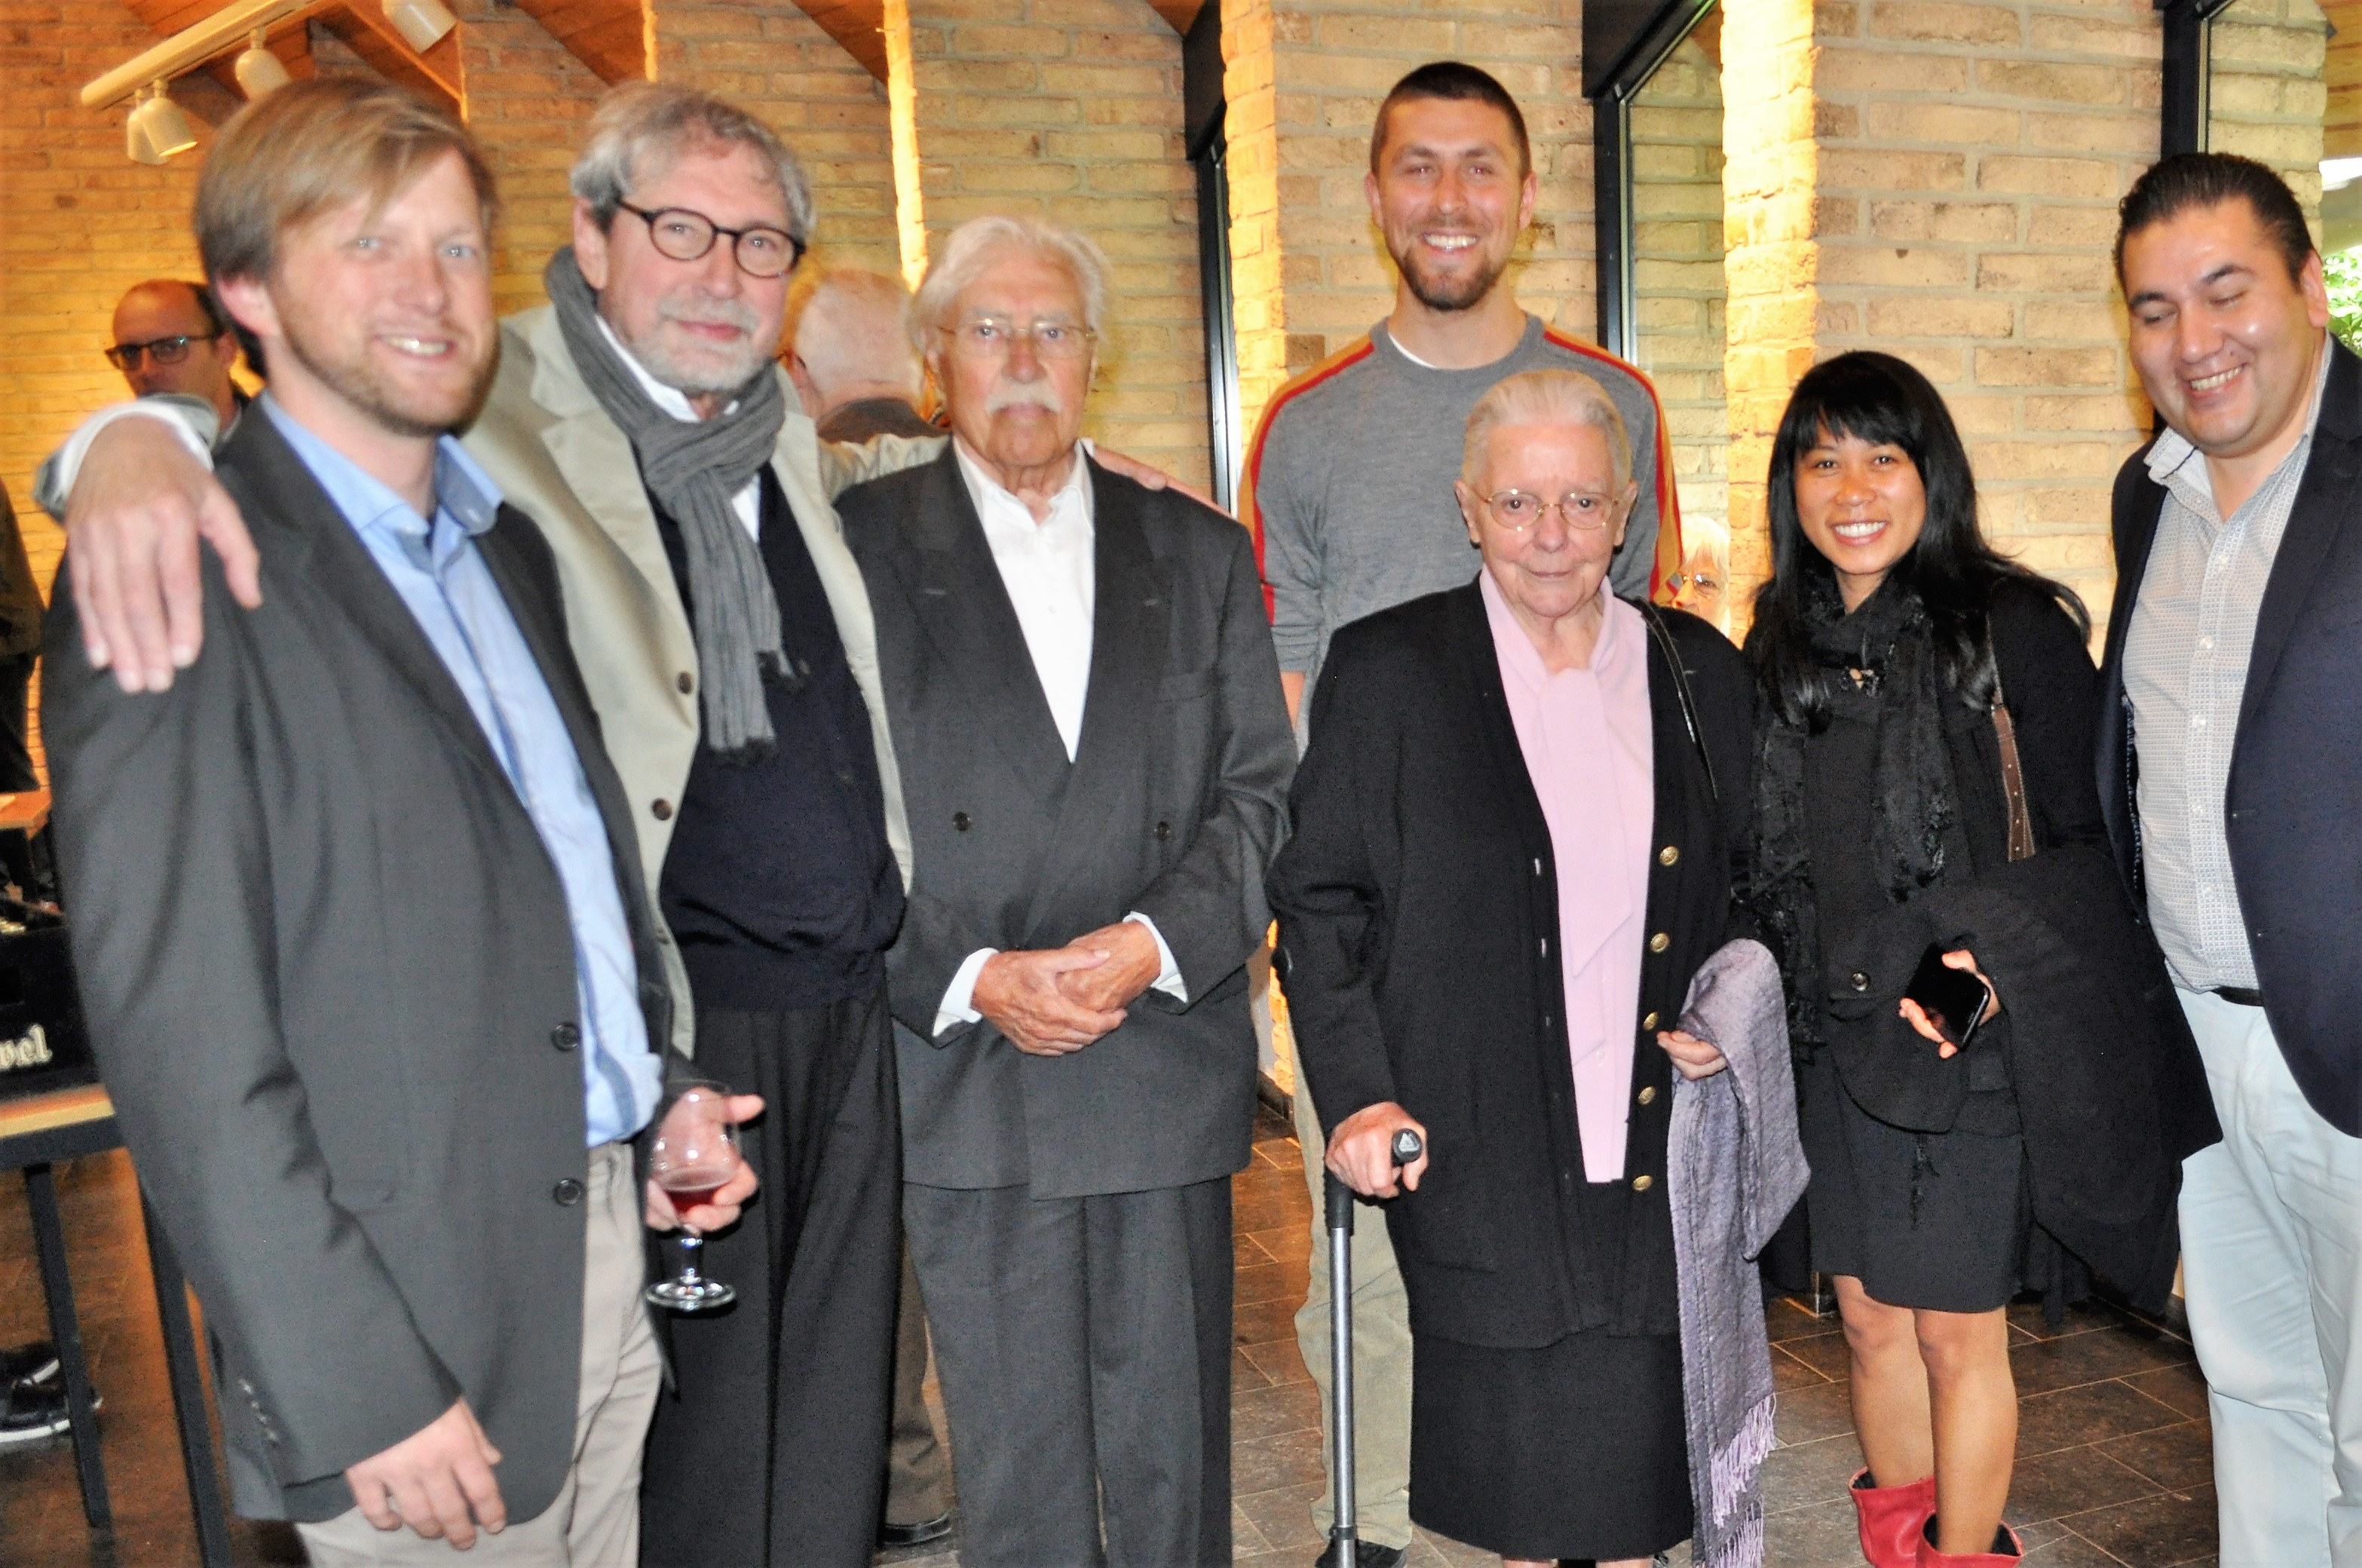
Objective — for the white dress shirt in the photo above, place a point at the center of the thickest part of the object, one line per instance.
(1050, 571)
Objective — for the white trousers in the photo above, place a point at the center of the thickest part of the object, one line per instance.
(2271, 1251)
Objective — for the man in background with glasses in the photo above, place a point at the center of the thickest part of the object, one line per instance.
(1096, 759)
(170, 338)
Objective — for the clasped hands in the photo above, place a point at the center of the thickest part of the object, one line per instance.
(1053, 1001)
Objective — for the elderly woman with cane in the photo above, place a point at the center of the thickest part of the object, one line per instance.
(1510, 859)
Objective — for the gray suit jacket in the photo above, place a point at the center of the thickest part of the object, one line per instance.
(1173, 806)
(331, 984)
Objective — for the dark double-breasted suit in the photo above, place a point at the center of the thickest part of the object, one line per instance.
(331, 982)
(1083, 1198)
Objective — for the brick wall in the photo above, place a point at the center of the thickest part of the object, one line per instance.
(773, 59)
(1071, 109)
(1967, 162)
(2265, 96)
(527, 100)
(1677, 239)
(1304, 79)
(1770, 256)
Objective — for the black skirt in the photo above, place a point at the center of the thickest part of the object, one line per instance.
(1934, 1221)
(1576, 1450)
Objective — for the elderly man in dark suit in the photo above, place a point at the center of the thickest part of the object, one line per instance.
(1087, 711)
(368, 963)
(2231, 777)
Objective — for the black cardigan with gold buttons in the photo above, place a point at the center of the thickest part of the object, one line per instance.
(1418, 905)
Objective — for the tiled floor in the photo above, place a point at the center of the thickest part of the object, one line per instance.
(2112, 1463)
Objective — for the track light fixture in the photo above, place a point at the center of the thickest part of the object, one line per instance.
(137, 143)
(260, 73)
(421, 23)
(166, 127)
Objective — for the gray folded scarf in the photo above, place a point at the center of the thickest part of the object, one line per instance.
(693, 468)
(1734, 1168)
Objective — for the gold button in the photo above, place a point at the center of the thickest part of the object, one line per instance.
(1660, 942)
(1669, 856)
(1649, 1094)
(1643, 1183)
(1650, 1021)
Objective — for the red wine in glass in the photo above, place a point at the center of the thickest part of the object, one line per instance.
(693, 1189)
(694, 1152)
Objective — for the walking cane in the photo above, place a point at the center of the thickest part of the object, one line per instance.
(1407, 1148)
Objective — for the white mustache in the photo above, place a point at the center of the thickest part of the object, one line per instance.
(713, 313)
(1038, 395)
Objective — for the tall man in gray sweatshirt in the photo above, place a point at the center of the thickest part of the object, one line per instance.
(1349, 496)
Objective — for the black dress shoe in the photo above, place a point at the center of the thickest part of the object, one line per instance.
(925, 1530)
(35, 1362)
(30, 1412)
(1366, 1555)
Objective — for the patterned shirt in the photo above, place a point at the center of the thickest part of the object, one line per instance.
(2186, 670)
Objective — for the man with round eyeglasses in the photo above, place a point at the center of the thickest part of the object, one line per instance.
(725, 636)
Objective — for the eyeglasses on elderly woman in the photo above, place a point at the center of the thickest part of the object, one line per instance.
(1519, 512)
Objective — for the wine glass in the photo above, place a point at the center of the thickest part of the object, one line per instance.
(694, 1152)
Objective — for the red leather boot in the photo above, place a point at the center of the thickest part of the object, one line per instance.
(1892, 1518)
(2007, 1550)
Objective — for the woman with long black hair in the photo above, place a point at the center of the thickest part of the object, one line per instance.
(1925, 719)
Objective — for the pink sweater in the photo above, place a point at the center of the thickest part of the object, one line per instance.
(1589, 750)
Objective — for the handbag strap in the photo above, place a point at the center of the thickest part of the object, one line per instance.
(2012, 776)
(1663, 636)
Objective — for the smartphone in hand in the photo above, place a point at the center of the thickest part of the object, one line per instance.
(1954, 999)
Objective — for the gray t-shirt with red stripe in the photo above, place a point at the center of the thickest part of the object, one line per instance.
(1350, 484)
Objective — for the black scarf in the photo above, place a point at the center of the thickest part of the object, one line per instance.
(1885, 647)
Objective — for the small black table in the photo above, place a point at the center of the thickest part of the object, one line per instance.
(36, 1133)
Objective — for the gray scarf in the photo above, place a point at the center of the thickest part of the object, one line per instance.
(1734, 1168)
(691, 469)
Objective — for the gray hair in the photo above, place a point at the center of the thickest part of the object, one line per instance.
(977, 241)
(834, 323)
(642, 128)
(1547, 397)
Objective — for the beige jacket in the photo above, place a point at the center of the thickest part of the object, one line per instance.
(558, 458)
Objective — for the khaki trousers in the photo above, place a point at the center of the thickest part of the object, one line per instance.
(595, 1521)
(1381, 1358)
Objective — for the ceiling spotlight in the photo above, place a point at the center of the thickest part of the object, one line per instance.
(137, 143)
(421, 23)
(166, 127)
(260, 72)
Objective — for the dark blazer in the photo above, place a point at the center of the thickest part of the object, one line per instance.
(1172, 806)
(331, 983)
(2295, 790)
(1418, 909)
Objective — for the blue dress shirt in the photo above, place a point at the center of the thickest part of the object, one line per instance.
(441, 575)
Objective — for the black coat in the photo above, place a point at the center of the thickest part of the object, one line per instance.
(1418, 910)
(2096, 1049)
(2295, 790)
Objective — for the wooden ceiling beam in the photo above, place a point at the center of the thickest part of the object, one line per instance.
(611, 36)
